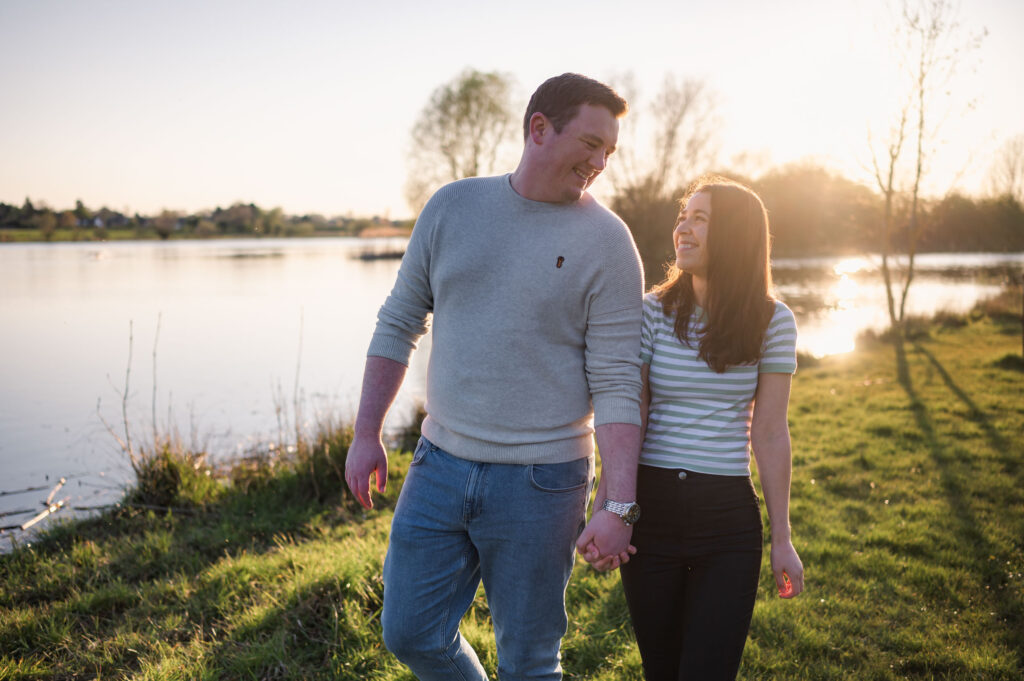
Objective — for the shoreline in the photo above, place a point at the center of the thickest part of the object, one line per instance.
(905, 465)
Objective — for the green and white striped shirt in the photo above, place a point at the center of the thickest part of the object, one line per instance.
(699, 420)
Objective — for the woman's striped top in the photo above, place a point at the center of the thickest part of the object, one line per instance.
(699, 420)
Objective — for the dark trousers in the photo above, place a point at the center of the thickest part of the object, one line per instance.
(692, 584)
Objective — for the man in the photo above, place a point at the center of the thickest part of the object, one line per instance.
(535, 291)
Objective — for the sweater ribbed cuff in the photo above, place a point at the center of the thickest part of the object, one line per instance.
(390, 347)
(614, 409)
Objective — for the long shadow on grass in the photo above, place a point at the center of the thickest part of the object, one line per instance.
(958, 497)
(327, 629)
(154, 546)
(996, 440)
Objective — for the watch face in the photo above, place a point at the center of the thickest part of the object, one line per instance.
(632, 515)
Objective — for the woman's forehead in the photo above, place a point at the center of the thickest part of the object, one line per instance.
(700, 201)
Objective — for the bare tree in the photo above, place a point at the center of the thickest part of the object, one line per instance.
(1006, 175)
(664, 145)
(463, 131)
(165, 223)
(681, 139)
(885, 175)
(46, 222)
(931, 45)
(66, 221)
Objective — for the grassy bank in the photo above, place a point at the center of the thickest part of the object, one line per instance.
(908, 511)
(68, 236)
(63, 235)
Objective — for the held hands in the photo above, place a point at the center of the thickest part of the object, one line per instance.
(604, 542)
(366, 457)
(787, 568)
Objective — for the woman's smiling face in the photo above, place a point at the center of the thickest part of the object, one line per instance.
(690, 236)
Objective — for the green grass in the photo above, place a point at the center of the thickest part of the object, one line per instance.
(907, 509)
(32, 235)
(28, 235)
(909, 513)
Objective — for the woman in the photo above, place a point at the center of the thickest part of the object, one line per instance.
(718, 353)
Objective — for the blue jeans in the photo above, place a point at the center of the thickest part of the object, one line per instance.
(459, 521)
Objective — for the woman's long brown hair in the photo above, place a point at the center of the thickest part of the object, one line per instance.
(740, 302)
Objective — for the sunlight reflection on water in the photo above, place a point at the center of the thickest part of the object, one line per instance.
(837, 299)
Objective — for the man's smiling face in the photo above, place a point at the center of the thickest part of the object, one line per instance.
(574, 157)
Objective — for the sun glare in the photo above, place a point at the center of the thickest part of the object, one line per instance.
(852, 265)
(833, 331)
(832, 338)
(845, 310)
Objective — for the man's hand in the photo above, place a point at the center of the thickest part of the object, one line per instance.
(609, 562)
(366, 456)
(381, 380)
(604, 542)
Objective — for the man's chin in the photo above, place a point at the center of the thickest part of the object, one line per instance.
(573, 195)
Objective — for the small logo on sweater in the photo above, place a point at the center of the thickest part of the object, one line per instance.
(559, 262)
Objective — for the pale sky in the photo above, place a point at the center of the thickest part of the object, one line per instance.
(189, 105)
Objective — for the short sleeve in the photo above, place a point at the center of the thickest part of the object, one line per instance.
(778, 354)
(647, 329)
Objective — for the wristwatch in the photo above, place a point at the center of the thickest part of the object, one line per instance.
(629, 512)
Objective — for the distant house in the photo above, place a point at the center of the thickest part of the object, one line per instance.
(109, 219)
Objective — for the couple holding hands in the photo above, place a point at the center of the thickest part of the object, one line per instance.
(543, 341)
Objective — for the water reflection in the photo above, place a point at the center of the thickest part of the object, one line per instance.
(851, 265)
(232, 316)
(836, 299)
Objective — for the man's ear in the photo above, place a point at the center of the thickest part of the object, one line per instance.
(540, 127)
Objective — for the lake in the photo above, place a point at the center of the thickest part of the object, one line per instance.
(225, 337)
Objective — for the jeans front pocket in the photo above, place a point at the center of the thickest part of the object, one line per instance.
(422, 447)
(560, 477)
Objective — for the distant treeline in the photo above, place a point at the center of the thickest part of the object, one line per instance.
(812, 211)
(240, 219)
(816, 212)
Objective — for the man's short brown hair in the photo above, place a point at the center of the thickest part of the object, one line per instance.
(559, 98)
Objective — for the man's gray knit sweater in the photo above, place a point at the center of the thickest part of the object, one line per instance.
(536, 320)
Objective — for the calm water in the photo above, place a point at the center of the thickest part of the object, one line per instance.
(241, 323)
(237, 321)
(835, 299)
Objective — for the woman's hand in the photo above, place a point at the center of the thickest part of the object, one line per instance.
(587, 546)
(787, 568)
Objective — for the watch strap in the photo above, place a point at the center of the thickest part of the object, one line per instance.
(628, 512)
(619, 508)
